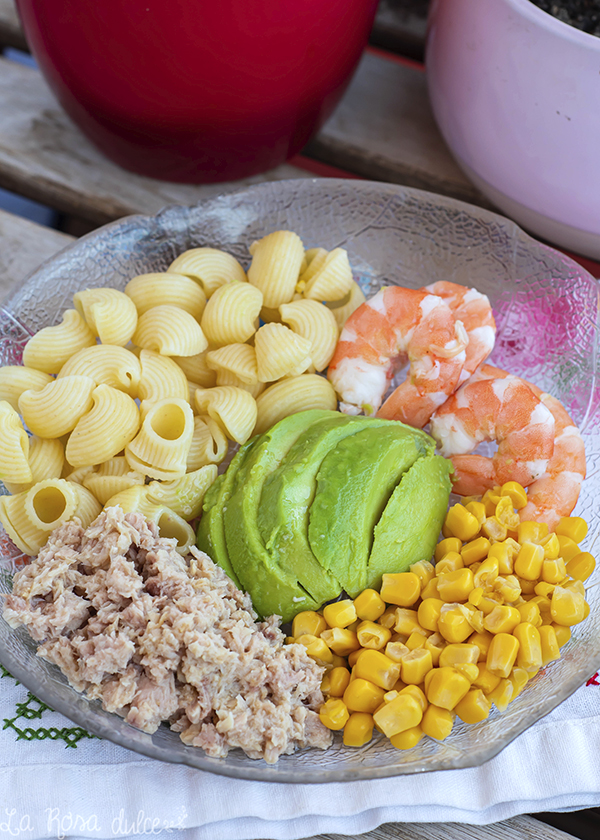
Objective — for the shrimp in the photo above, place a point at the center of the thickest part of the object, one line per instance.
(475, 311)
(495, 405)
(395, 323)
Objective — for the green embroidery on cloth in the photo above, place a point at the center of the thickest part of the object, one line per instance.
(33, 709)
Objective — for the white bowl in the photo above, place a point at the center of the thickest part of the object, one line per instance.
(516, 94)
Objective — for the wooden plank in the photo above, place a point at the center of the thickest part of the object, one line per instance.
(23, 246)
(400, 26)
(11, 34)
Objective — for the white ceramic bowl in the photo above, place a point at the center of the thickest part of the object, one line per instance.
(516, 94)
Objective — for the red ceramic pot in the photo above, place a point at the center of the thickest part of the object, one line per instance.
(197, 91)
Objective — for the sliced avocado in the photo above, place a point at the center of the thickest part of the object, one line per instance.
(410, 524)
(286, 498)
(273, 589)
(354, 484)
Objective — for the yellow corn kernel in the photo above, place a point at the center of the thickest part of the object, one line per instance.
(502, 654)
(581, 565)
(406, 621)
(502, 619)
(435, 645)
(417, 693)
(354, 626)
(459, 653)
(335, 682)
(375, 666)
(508, 587)
(532, 532)
(551, 547)
(529, 657)
(574, 586)
(316, 648)
(543, 604)
(486, 574)
(530, 612)
(474, 706)
(389, 696)
(342, 641)
(338, 661)
(568, 548)
(475, 596)
(353, 657)
(400, 714)
(567, 607)
(478, 511)
(416, 640)
(544, 589)
(430, 590)
(461, 523)
(563, 634)
(308, 623)
(388, 618)
(506, 515)
(550, 648)
(424, 570)
(444, 546)
(289, 640)
(455, 586)
(446, 687)
(334, 713)
(490, 601)
(474, 617)
(518, 679)
(553, 571)
(485, 680)
(501, 552)
(429, 612)
(468, 670)
(452, 624)
(396, 651)
(572, 526)
(399, 637)
(363, 696)
(415, 665)
(407, 739)
(339, 614)
(527, 586)
(437, 722)
(490, 500)
(494, 530)
(517, 493)
(482, 640)
(403, 589)
(475, 550)
(530, 559)
(449, 563)
(502, 694)
(358, 730)
(373, 636)
(369, 605)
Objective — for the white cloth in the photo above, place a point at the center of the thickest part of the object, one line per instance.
(98, 790)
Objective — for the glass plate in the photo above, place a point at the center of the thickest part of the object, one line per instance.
(546, 307)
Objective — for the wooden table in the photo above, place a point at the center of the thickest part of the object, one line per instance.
(383, 129)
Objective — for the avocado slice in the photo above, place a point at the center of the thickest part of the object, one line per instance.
(354, 484)
(273, 589)
(410, 524)
(287, 496)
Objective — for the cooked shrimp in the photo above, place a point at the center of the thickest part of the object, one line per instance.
(393, 324)
(475, 311)
(494, 406)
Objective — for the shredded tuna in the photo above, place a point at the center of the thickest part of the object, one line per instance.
(157, 637)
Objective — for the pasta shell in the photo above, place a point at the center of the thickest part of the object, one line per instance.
(347, 306)
(231, 314)
(276, 262)
(106, 364)
(105, 430)
(50, 348)
(170, 525)
(333, 280)
(197, 370)
(209, 267)
(209, 444)
(150, 290)
(161, 378)
(109, 313)
(224, 377)
(14, 379)
(317, 324)
(55, 410)
(46, 459)
(239, 359)
(184, 495)
(104, 487)
(169, 331)
(233, 408)
(279, 352)
(14, 447)
(298, 393)
(161, 447)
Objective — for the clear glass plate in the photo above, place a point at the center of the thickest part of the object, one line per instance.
(547, 311)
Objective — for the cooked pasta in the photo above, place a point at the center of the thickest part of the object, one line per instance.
(333, 280)
(50, 348)
(315, 260)
(169, 331)
(170, 525)
(238, 359)
(209, 267)
(55, 410)
(197, 370)
(161, 447)
(298, 393)
(231, 314)
(316, 323)
(224, 377)
(78, 475)
(275, 268)
(110, 314)
(233, 408)
(149, 290)
(104, 486)
(14, 379)
(344, 309)
(184, 495)
(46, 460)
(161, 378)
(209, 444)
(280, 352)
(106, 364)
(14, 447)
(105, 430)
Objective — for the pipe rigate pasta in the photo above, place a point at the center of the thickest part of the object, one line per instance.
(46, 460)
(280, 352)
(298, 393)
(197, 370)
(161, 378)
(110, 314)
(209, 444)
(333, 280)
(55, 410)
(233, 408)
(231, 314)
(105, 430)
(14, 379)
(155, 289)
(14, 446)
(170, 331)
(106, 364)
(343, 309)
(209, 267)
(239, 359)
(276, 262)
(316, 323)
(50, 348)
(161, 447)
(184, 495)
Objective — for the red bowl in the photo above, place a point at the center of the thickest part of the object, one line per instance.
(187, 90)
